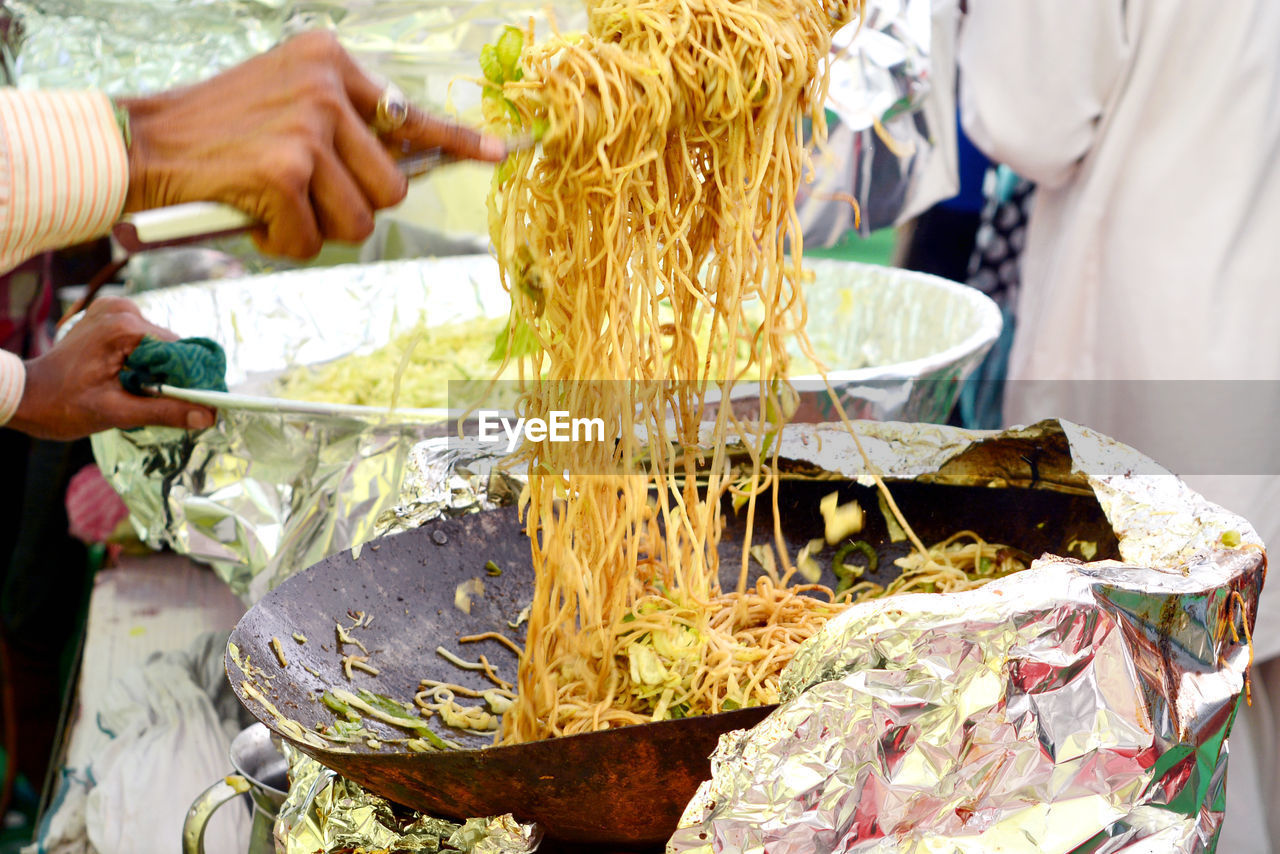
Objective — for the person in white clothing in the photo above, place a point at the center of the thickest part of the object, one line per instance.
(1152, 131)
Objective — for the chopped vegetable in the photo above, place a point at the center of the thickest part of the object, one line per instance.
(521, 618)
(339, 707)
(436, 354)
(463, 592)
(517, 338)
(498, 704)
(383, 709)
(299, 637)
(1231, 539)
(492, 569)
(809, 568)
(1087, 548)
(490, 65)
(764, 556)
(508, 49)
(896, 532)
(840, 520)
(849, 574)
(645, 665)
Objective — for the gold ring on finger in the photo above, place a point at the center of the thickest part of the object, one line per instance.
(392, 111)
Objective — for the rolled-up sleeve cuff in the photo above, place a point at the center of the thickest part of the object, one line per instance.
(64, 171)
(13, 379)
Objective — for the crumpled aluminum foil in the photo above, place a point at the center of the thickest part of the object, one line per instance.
(126, 47)
(328, 814)
(883, 72)
(1072, 707)
(262, 495)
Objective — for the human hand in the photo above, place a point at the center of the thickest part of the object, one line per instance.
(74, 389)
(286, 138)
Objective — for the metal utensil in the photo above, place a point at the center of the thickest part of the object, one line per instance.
(257, 403)
(262, 773)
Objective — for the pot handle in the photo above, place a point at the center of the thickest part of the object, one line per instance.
(202, 809)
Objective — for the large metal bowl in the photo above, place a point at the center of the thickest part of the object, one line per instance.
(264, 493)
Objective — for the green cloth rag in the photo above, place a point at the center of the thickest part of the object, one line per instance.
(197, 363)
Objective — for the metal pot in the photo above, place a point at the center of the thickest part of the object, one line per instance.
(260, 771)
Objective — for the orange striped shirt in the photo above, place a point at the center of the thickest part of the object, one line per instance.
(12, 380)
(64, 173)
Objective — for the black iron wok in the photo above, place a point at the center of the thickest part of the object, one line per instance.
(623, 787)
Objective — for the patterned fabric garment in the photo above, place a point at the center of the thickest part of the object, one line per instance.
(64, 173)
(995, 269)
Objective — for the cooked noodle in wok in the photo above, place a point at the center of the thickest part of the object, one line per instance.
(659, 202)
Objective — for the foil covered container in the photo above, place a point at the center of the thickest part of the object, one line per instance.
(1073, 707)
(264, 494)
(327, 814)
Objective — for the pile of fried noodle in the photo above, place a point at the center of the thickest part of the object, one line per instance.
(660, 199)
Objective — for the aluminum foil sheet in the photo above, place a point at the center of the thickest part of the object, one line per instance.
(328, 814)
(135, 46)
(886, 78)
(1073, 707)
(264, 494)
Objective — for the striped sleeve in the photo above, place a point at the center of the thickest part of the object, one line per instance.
(13, 376)
(64, 171)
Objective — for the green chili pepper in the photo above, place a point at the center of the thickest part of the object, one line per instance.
(387, 706)
(849, 574)
(339, 708)
(431, 738)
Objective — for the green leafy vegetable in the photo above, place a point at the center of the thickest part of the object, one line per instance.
(515, 340)
(510, 44)
(490, 64)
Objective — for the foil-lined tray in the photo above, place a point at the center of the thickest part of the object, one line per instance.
(262, 495)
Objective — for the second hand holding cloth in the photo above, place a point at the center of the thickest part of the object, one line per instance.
(197, 363)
